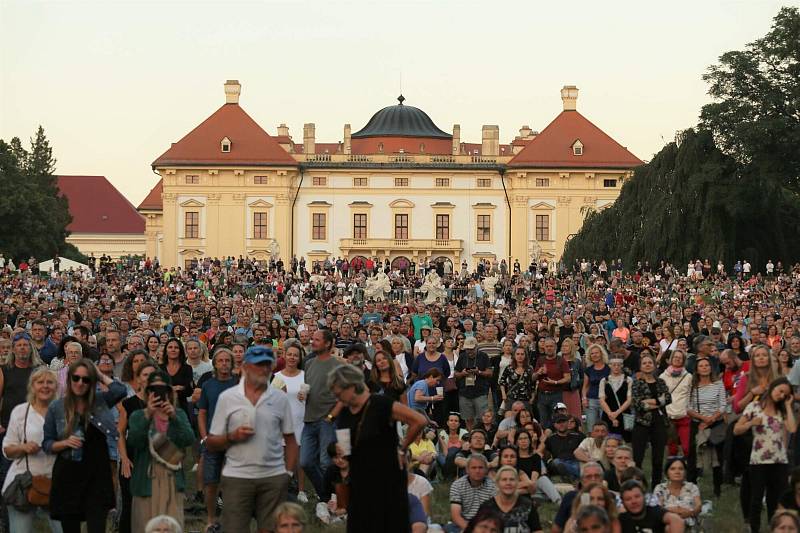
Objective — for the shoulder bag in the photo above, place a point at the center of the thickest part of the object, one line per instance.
(26, 490)
(628, 419)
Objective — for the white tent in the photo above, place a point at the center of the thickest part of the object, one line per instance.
(66, 264)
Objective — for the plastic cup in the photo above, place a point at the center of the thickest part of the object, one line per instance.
(343, 440)
(440, 391)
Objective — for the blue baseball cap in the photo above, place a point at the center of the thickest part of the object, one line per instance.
(258, 354)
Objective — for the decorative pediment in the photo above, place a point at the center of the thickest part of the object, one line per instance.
(542, 205)
(402, 203)
(191, 252)
(260, 203)
(192, 203)
(319, 204)
(443, 205)
(484, 205)
(359, 204)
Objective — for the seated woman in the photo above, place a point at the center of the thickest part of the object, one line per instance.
(424, 458)
(420, 487)
(530, 462)
(517, 512)
(450, 442)
(336, 492)
(510, 457)
(598, 495)
(677, 495)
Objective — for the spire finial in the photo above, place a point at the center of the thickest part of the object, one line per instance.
(401, 99)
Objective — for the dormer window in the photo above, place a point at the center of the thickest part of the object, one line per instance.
(577, 148)
(225, 145)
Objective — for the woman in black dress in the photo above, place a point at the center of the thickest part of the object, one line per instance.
(375, 455)
(180, 372)
(77, 429)
(385, 380)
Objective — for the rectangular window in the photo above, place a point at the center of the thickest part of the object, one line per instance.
(442, 182)
(442, 227)
(188, 264)
(192, 180)
(360, 226)
(484, 182)
(360, 182)
(609, 183)
(484, 227)
(401, 226)
(542, 227)
(260, 180)
(318, 229)
(259, 225)
(542, 182)
(401, 182)
(319, 181)
(192, 225)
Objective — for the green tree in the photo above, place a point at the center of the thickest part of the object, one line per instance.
(756, 118)
(33, 213)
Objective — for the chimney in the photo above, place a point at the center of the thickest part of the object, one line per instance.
(456, 139)
(308, 139)
(525, 132)
(569, 95)
(347, 138)
(232, 91)
(490, 140)
(283, 130)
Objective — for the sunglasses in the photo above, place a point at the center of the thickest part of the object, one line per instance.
(86, 380)
(19, 336)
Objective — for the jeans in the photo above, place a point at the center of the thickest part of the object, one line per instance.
(769, 478)
(546, 404)
(568, 467)
(593, 413)
(19, 521)
(313, 452)
(545, 487)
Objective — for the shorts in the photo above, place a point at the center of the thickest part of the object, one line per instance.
(212, 466)
(247, 497)
(473, 408)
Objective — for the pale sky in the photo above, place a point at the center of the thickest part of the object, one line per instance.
(114, 83)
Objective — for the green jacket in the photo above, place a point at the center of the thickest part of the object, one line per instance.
(179, 432)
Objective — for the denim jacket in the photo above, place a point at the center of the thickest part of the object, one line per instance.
(100, 417)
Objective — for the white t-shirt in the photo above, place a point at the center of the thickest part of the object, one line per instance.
(41, 464)
(261, 455)
(419, 486)
(201, 368)
(298, 408)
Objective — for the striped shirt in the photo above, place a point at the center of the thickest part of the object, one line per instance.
(471, 498)
(709, 399)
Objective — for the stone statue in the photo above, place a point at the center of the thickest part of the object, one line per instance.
(488, 287)
(433, 288)
(317, 279)
(377, 286)
(274, 249)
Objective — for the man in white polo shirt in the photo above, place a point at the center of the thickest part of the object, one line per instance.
(253, 425)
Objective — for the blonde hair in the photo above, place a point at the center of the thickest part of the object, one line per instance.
(40, 373)
(568, 342)
(291, 509)
(506, 468)
(587, 359)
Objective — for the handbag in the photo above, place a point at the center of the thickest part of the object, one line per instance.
(26, 490)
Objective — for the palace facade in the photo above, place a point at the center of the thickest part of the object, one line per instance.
(398, 188)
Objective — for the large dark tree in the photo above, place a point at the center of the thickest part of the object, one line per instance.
(728, 190)
(33, 213)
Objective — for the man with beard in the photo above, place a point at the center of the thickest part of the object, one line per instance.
(255, 478)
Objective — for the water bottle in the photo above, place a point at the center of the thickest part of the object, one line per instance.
(77, 453)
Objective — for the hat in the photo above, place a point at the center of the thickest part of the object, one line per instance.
(716, 324)
(560, 405)
(258, 354)
(425, 326)
(470, 343)
(560, 418)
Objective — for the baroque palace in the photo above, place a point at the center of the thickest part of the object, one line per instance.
(398, 188)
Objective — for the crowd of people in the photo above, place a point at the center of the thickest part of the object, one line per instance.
(607, 391)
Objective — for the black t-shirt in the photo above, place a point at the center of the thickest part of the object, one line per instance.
(788, 501)
(530, 464)
(651, 521)
(522, 518)
(563, 446)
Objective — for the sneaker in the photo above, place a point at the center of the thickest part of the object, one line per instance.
(302, 497)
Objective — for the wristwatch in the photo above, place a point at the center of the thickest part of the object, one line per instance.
(329, 418)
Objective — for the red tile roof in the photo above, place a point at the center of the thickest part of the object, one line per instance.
(153, 199)
(97, 206)
(250, 144)
(552, 148)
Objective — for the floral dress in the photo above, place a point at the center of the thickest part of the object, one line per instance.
(684, 500)
(769, 438)
(519, 387)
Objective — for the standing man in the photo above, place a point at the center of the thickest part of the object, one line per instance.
(255, 478)
(553, 373)
(420, 319)
(209, 395)
(472, 375)
(41, 341)
(321, 409)
(114, 349)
